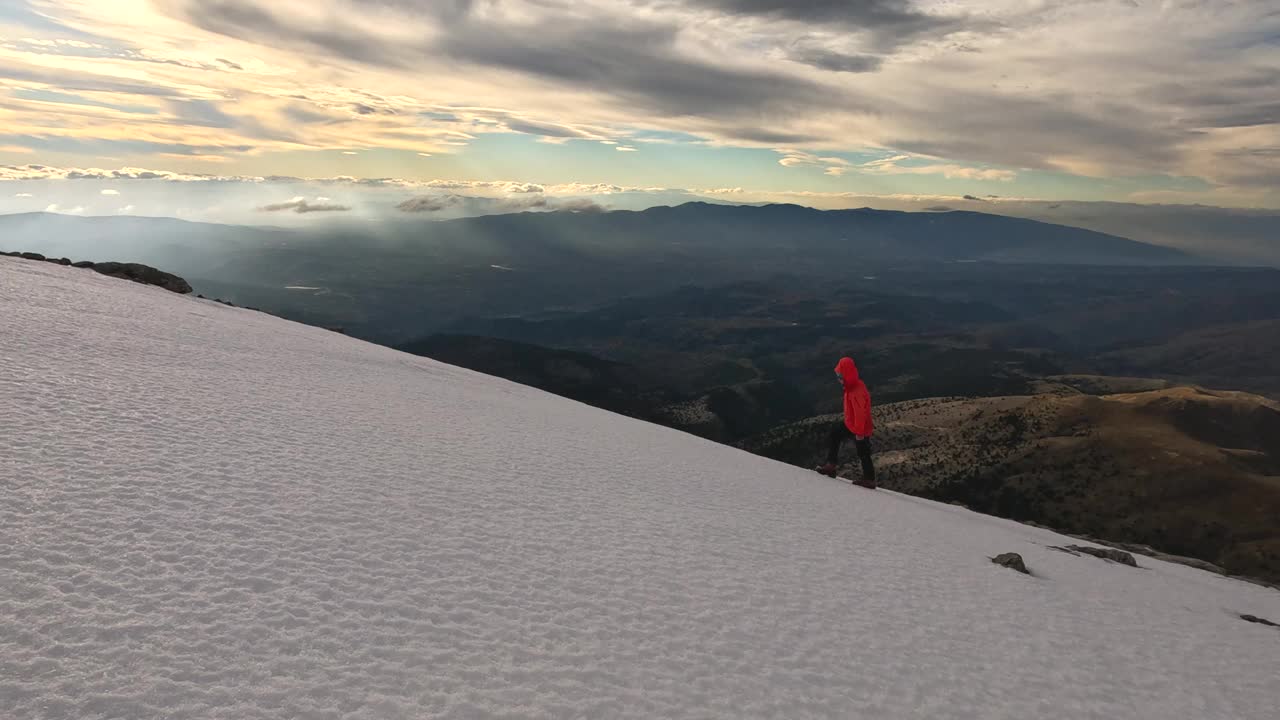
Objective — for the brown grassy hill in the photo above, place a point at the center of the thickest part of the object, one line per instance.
(1240, 356)
(1185, 470)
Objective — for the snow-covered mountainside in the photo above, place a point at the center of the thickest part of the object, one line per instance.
(208, 512)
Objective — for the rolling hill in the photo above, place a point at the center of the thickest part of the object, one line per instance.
(578, 376)
(1185, 470)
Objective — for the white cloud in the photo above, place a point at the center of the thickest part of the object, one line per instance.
(45, 172)
(55, 208)
(127, 209)
(894, 166)
(979, 86)
(625, 148)
(302, 206)
(110, 191)
(797, 158)
(24, 195)
(1008, 83)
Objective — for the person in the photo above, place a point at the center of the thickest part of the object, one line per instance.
(856, 424)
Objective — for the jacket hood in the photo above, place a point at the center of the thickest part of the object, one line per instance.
(847, 370)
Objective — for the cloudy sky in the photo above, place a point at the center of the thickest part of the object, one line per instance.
(292, 109)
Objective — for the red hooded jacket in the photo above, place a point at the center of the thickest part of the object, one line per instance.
(857, 401)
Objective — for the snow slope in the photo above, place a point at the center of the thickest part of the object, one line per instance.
(208, 512)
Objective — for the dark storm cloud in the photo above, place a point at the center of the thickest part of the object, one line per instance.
(889, 22)
(634, 61)
(1241, 99)
(1033, 132)
(825, 59)
(637, 62)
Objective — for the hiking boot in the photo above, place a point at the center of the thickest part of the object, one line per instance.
(868, 483)
(827, 469)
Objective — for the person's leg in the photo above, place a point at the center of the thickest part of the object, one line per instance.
(838, 434)
(864, 454)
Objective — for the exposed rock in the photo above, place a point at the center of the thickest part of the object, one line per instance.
(31, 256)
(1013, 561)
(1139, 549)
(1258, 620)
(1111, 554)
(83, 264)
(144, 274)
(63, 261)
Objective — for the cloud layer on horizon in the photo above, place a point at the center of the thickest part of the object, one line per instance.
(302, 206)
(963, 90)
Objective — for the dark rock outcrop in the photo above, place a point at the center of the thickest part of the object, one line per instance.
(1013, 561)
(136, 272)
(1111, 554)
(1258, 620)
(144, 274)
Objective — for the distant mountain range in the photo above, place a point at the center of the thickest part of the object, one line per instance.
(393, 282)
(864, 233)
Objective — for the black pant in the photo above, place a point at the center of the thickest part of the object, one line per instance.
(839, 434)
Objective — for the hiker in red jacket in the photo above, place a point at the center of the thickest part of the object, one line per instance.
(856, 424)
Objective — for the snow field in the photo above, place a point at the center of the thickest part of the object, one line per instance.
(208, 512)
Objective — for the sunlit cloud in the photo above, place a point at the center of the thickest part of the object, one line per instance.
(830, 165)
(302, 206)
(897, 165)
(1000, 91)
